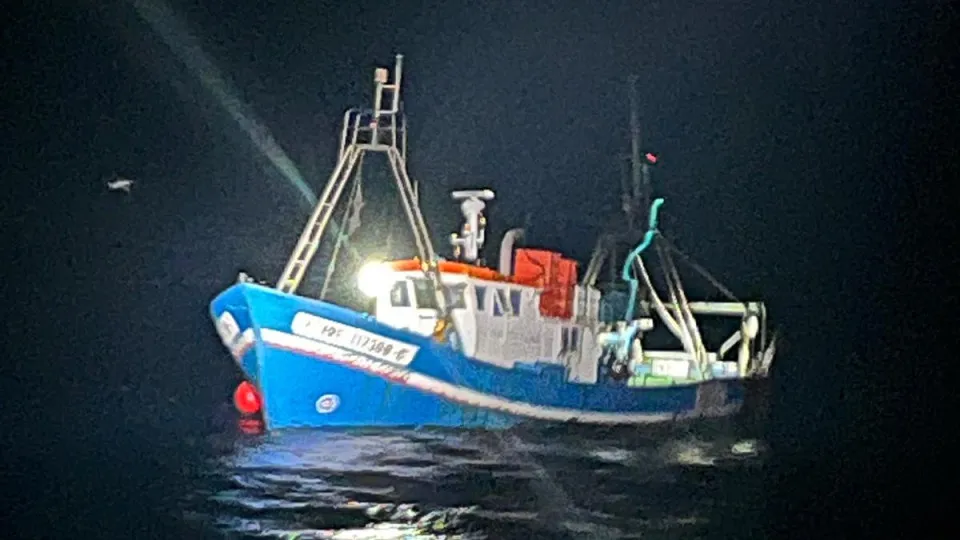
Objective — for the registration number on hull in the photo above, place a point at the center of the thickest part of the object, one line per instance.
(353, 339)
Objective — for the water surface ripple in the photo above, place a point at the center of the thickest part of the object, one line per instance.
(557, 482)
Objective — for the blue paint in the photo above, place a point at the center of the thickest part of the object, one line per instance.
(291, 383)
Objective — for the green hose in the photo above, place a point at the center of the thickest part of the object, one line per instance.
(628, 274)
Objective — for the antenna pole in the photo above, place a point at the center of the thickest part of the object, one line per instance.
(397, 78)
(363, 132)
(640, 194)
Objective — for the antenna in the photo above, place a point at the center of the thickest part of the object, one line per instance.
(472, 233)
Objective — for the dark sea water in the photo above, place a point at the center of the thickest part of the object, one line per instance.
(128, 464)
(703, 481)
(781, 128)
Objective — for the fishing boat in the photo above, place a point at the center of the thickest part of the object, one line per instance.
(450, 342)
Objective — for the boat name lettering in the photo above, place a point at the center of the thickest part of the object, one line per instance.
(353, 339)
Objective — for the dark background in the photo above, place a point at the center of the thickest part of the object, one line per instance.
(802, 150)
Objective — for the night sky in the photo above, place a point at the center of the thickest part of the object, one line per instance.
(780, 127)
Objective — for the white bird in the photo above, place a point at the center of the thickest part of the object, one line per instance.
(119, 184)
(740, 448)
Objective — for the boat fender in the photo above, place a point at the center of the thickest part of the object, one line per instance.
(246, 398)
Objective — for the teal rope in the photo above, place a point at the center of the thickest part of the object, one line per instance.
(628, 274)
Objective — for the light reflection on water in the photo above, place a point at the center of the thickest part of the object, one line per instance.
(566, 482)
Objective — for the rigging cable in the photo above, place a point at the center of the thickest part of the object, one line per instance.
(352, 211)
(682, 305)
(700, 270)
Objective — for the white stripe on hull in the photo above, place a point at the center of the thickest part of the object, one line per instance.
(460, 394)
(243, 344)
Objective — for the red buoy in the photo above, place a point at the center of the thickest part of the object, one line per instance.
(246, 398)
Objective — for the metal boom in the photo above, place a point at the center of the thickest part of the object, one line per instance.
(384, 129)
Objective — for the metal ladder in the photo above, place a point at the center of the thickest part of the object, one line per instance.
(367, 130)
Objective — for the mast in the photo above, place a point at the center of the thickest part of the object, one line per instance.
(640, 192)
(634, 201)
(381, 129)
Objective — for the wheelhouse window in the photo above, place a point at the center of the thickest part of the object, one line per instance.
(455, 295)
(515, 301)
(426, 298)
(500, 305)
(481, 293)
(424, 295)
(400, 294)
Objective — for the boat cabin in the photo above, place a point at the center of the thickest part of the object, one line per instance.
(537, 314)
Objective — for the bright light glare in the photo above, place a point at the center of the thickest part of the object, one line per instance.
(373, 278)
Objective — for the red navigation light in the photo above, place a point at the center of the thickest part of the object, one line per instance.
(246, 398)
(651, 158)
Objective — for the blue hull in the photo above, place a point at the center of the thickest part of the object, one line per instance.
(317, 364)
